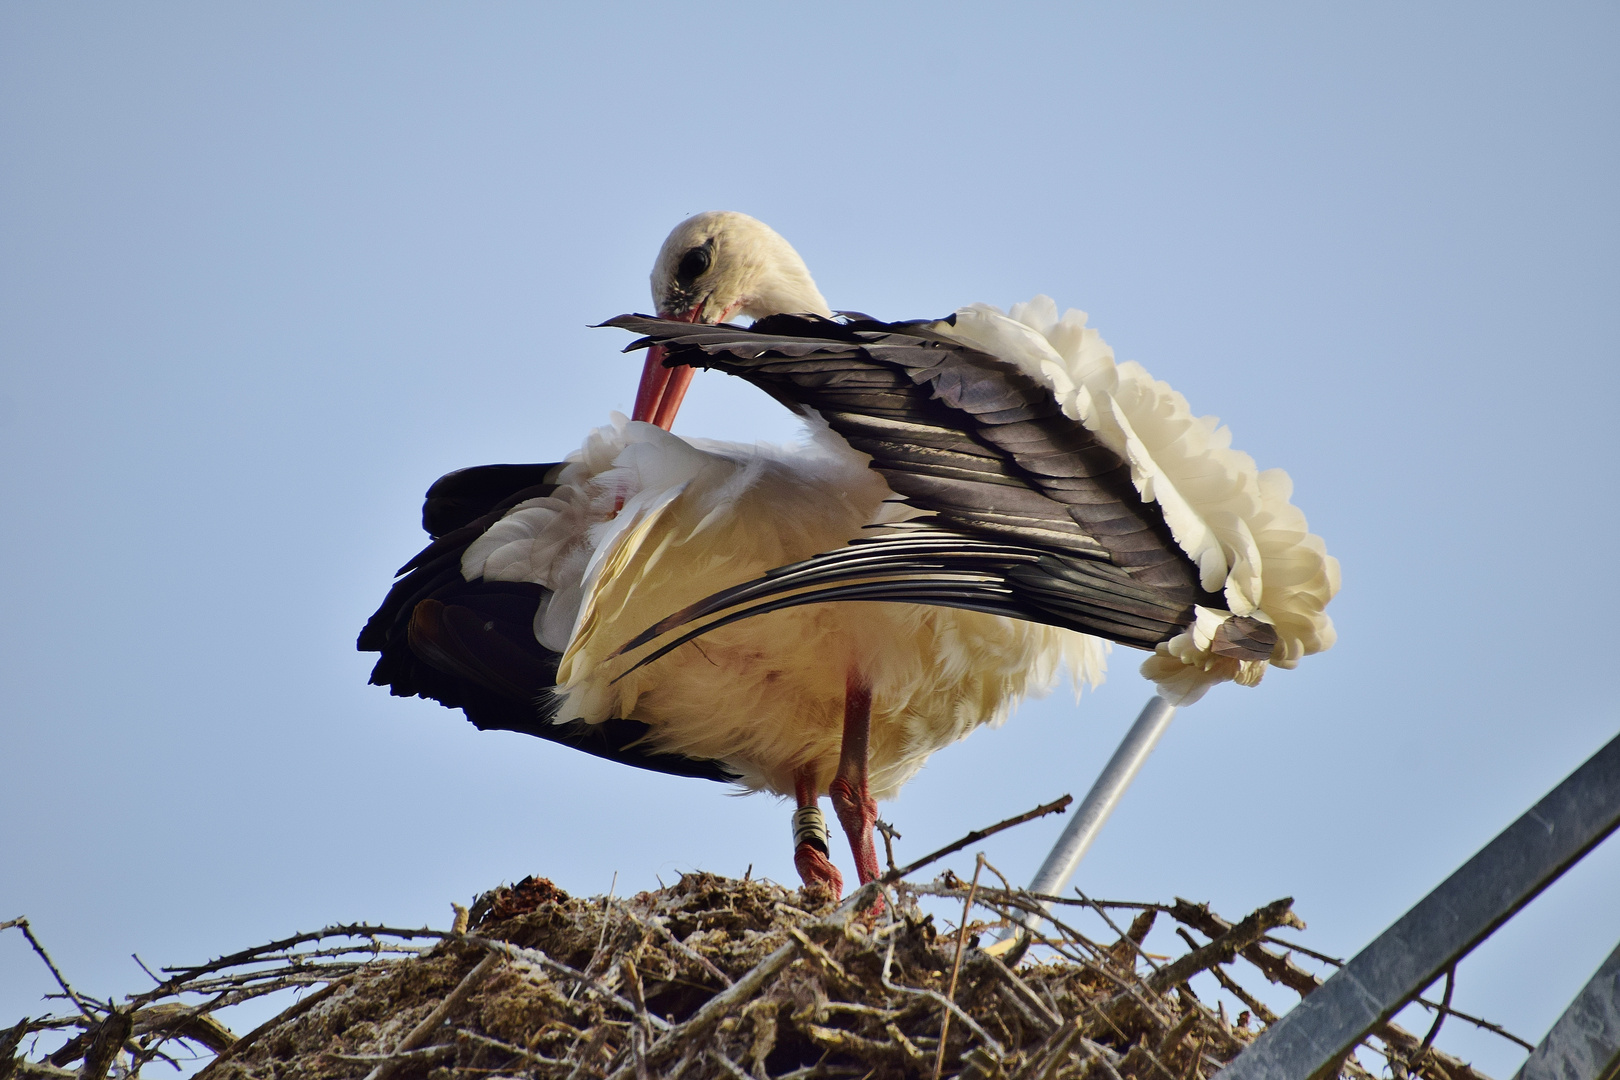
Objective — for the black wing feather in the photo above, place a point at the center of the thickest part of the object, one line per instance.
(922, 563)
(470, 645)
(876, 384)
(460, 497)
(1031, 515)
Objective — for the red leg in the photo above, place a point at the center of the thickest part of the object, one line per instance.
(851, 797)
(810, 852)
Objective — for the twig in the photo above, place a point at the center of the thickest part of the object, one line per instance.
(1224, 948)
(297, 1009)
(1303, 951)
(453, 1001)
(179, 976)
(536, 958)
(658, 927)
(717, 1006)
(1440, 1013)
(497, 1044)
(731, 1068)
(398, 1057)
(170, 1020)
(149, 974)
(1056, 807)
(889, 835)
(1281, 969)
(990, 866)
(21, 923)
(972, 1025)
(956, 966)
(1112, 925)
(1127, 989)
(1477, 1021)
(859, 1047)
(109, 1039)
(820, 955)
(1046, 1017)
(601, 939)
(632, 980)
(1048, 1063)
(1231, 985)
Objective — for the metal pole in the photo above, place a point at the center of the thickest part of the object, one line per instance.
(1060, 865)
(1443, 927)
(1585, 1042)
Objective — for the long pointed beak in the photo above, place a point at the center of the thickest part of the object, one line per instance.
(658, 398)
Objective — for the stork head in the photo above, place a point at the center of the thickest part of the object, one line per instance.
(721, 264)
(713, 267)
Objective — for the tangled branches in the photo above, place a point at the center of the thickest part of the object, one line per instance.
(713, 977)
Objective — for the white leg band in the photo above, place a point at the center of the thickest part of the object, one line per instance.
(809, 827)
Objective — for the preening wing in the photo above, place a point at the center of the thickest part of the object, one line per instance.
(954, 430)
(1032, 516)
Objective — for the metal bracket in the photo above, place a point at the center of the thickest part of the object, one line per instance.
(1441, 928)
(1585, 1042)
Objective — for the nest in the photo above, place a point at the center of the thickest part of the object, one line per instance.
(717, 977)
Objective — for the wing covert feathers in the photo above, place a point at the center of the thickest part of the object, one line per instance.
(1019, 429)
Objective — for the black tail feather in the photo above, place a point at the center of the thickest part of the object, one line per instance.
(471, 645)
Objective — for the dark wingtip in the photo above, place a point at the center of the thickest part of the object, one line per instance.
(624, 321)
(636, 323)
(1244, 638)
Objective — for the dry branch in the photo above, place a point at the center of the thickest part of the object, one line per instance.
(1057, 806)
(1227, 945)
(105, 1044)
(712, 978)
(1400, 1045)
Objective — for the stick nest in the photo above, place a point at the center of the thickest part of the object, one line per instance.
(712, 977)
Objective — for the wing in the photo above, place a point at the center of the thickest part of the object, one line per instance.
(1031, 516)
(953, 430)
(470, 645)
(463, 496)
(924, 563)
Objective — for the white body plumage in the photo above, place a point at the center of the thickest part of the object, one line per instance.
(644, 522)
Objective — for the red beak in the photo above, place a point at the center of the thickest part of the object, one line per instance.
(659, 396)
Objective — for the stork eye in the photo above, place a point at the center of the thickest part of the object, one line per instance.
(693, 264)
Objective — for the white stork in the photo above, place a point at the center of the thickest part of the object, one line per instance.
(979, 501)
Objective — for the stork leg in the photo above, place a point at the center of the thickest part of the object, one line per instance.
(810, 835)
(851, 797)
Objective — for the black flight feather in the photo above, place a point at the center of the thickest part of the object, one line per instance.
(470, 645)
(1031, 516)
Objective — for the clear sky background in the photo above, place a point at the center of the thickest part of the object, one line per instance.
(268, 270)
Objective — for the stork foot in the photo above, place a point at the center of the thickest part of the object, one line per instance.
(857, 813)
(816, 869)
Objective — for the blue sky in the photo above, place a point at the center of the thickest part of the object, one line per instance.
(265, 272)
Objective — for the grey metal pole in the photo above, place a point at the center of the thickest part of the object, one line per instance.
(1443, 927)
(1060, 865)
(1585, 1042)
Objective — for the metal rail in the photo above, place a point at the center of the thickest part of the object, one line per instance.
(1441, 928)
(1585, 1042)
